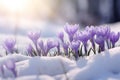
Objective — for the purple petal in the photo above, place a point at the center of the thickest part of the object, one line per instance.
(65, 47)
(30, 49)
(71, 29)
(9, 44)
(91, 30)
(61, 36)
(51, 44)
(2, 69)
(103, 31)
(34, 36)
(84, 36)
(99, 40)
(10, 64)
(114, 37)
(75, 45)
(41, 44)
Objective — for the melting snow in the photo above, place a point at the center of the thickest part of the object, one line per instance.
(104, 66)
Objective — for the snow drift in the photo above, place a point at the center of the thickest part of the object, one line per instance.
(103, 66)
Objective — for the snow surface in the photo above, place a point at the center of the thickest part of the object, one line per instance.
(103, 66)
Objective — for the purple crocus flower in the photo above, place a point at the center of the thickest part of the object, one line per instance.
(10, 64)
(50, 44)
(30, 50)
(114, 38)
(71, 30)
(65, 47)
(57, 43)
(92, 32)
(9, 45)
(76, 36)
(46, 47)
(42, 46)
(34, 36)
(119, 34)
(84, 37)
(61, 36)
(75, 47)
(103, 31)
(107, 31)
(100, 41)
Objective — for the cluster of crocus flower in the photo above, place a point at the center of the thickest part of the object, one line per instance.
(10, 65)
(72, 41)
(83, 42)
(40, 48)
(105, 35)
(46, 47)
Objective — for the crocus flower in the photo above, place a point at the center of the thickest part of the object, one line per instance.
(114, 38)
(61, 36)
(10, 65)
(30, 50)
(9, 45)
(77, 36)
(42, 46)
(103, 31)
(65, 47)
(34, 36)
(91, 30)
(57, 43)
(84, 37)
(46, 47)
(107, 32)
(119, 34)
(71, 30)
(50, 44)
(75, 47)
(100, 41)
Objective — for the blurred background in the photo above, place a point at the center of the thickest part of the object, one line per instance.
(49, 16)
(17, 17)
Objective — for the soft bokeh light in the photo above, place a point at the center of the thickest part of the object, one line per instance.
(25, 9)
(14, 5)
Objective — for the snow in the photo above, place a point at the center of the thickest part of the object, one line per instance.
(42, 77)
(99, 66)
(103, 66)
(15, 57)
(45, 66)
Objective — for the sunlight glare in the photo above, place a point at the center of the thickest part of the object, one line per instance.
(14, 5)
